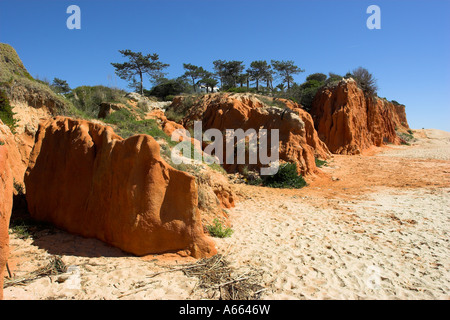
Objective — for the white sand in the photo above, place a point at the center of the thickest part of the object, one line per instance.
(365, 236)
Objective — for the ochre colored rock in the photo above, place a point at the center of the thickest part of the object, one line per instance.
(214, 195)
(399, 116)
(214, 190)
(167, 125)
(299, 142)
(348, 122)
(85, 179)
(6, 200)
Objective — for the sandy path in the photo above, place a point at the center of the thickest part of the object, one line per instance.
(378, 230)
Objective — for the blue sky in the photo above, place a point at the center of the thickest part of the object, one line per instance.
(410, 55)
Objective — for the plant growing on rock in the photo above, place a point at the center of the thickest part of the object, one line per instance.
(6, 113)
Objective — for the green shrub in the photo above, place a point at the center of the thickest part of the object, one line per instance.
(170, 97)
(366, 81)
(407, 138)
(320, 77)
(6, 113)
(321, 163)
(20, 229)
(168, 88)
(286, 177)
(217, 230)
(87, 99)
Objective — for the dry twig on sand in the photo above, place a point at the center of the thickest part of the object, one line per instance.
(215, 274)
(54, 267)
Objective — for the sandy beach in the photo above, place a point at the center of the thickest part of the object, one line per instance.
(374, 226)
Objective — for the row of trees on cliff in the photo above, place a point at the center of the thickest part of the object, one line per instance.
(229, 74)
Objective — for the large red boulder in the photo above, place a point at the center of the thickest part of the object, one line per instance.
(6, 200)
(85, 179)
(349, 122)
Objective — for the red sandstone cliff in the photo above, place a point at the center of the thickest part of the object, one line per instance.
(349, 122)
(85, 179)
(298, 143)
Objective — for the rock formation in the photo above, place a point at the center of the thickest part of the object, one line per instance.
(19, 148)
(349, 122)
(85, 179)
(214, 190)
(399, 115)
(299, 142)
(6, 199)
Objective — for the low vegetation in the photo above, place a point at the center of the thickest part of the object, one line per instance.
(6, 113)
(272, 102)
(87, 99)
(218, 230)
(286, 177)
(407, 138)
(179, 112)
(127, 125)
(320, 163)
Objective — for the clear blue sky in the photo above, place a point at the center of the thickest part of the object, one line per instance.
(410, 55)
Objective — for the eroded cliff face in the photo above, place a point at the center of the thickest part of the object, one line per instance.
(6, 201)
(85, 179)
(19, 148)
(348, 122)
(298, 140)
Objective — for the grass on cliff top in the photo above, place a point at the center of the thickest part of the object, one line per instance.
(10, 64)
(6, 113)
(19, 85)
(87, 99)
(128, 125)
(272, 102)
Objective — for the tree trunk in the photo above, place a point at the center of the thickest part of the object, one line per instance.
(257, 85)
(142, 84)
